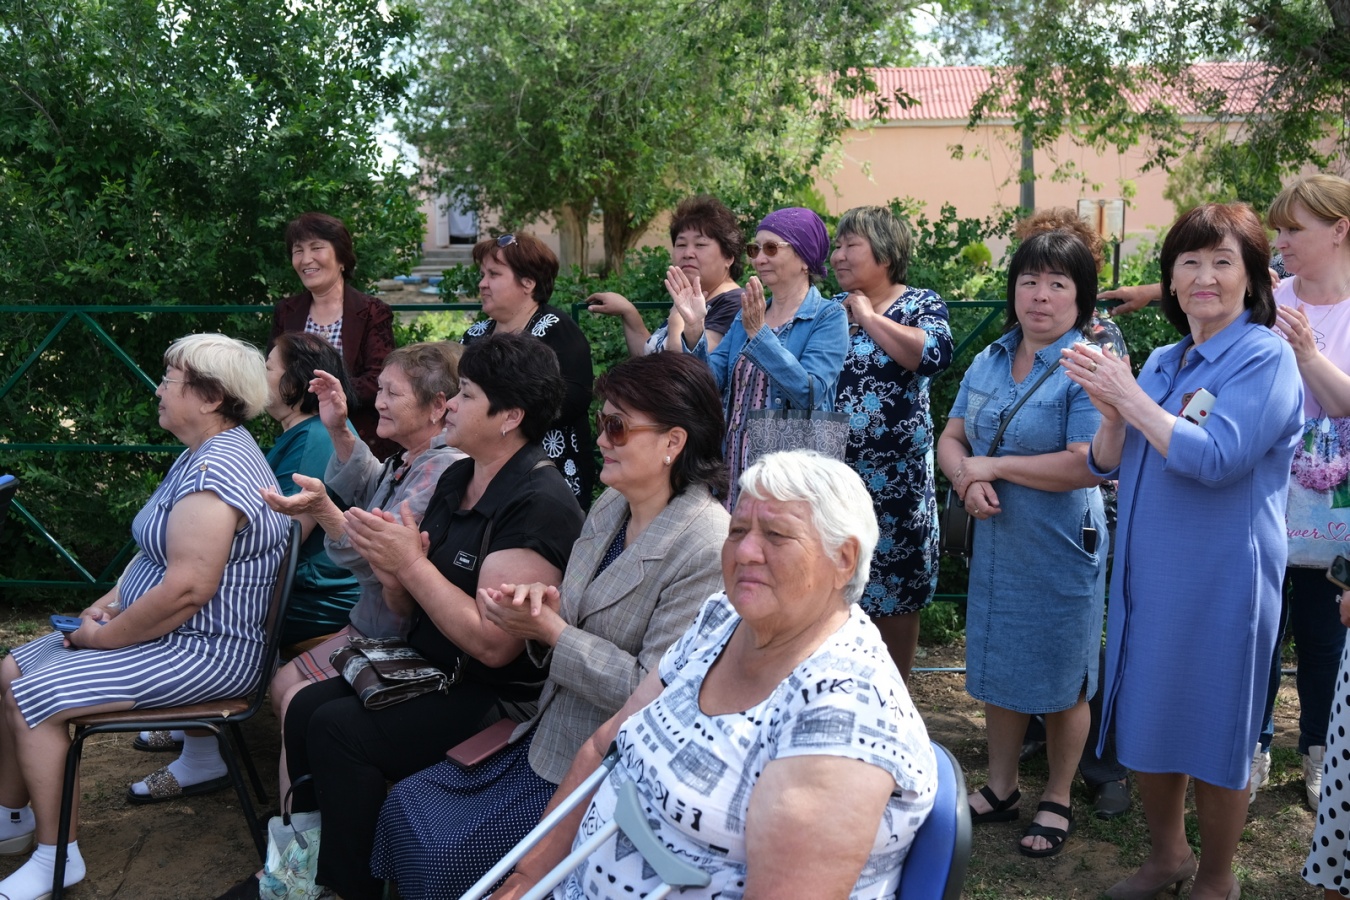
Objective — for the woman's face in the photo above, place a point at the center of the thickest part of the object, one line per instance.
(276, 367)
(781, 269)
(854, 265)
(1211, 284)
(180, 409)
(639, 465)
(468, 425)
(504, 297)
(1046, 304)
(403, 419)
(316, 262)
(1310, 242)
(698, 254)
(775, 568)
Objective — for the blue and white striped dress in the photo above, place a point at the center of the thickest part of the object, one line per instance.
(215, 654)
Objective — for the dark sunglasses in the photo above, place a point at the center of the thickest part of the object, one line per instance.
(770, 248)
(506, 240)
(616, 428)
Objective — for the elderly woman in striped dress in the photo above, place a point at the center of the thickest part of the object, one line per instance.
(184, 623)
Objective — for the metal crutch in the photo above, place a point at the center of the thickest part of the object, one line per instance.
(628, 818)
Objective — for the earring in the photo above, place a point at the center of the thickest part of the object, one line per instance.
(667, 460)
(503, 432)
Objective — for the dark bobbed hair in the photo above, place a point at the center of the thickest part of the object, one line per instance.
(527, 257)
(432, 367)
(711, 218)
(1204, 228)
(675, 390)
(311, 225)
(1061, 218)
(887, 235)
(517, 371)
(301, 354)
(1055, 251)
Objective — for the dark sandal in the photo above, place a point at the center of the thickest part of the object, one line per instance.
(1056, 836)
(1005, 810)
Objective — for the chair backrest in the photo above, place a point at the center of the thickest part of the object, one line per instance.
(276, 616)
(8, 485)
(935, 868)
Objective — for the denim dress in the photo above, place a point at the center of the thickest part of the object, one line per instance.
(1034, 618)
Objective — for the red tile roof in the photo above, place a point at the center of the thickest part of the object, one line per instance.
(949, 92)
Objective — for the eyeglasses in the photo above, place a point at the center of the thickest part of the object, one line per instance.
(506, 240)
(167, 380)
(770, 248)
(616, 428)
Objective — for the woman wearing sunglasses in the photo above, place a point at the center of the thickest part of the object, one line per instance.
(648, 555)
(518, 273)
(784, 351)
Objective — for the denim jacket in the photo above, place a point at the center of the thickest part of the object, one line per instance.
(811, 359)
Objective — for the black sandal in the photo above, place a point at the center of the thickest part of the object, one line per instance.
(1005, 810)
(1056, 836)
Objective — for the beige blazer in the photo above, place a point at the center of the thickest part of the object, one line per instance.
(622, 622)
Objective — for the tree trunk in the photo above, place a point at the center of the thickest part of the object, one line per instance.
(621, 233)
(572, 220)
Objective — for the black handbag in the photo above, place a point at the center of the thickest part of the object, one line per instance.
(385, 671)
(956, 529)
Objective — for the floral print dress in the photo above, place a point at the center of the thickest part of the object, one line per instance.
(891, 446)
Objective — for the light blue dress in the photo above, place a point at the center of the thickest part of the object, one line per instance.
(1034, 616)
(1195, 592)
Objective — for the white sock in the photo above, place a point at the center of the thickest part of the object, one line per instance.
(16, 822)
(33, 879)
(200, 761)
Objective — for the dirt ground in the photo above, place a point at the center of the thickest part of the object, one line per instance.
(198, 848)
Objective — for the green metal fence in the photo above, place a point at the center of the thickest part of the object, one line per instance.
(64, 317)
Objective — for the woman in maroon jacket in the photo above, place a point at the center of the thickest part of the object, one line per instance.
(359, 326)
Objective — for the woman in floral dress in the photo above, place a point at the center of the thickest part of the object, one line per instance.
(899, 339)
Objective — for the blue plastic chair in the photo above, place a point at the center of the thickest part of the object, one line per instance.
(936, 866)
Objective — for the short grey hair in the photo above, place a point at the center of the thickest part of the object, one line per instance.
(841, 507)
(887, 235)
(220, 368)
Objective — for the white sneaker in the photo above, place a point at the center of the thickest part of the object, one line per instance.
(1260, 772)
(1312, 775)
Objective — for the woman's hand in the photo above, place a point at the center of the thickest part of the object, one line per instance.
(981, 500)
(528, 611)
(973, 469)
(688, 301)
(859, 308)
(332, 400)
(311, 500)
(1293, 324)
(608, 303)
(86, 636)
(1133, 297)
(1106, 377)
(753, 307)
(384, 541)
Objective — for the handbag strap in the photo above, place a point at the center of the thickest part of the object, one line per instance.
(1003, 426)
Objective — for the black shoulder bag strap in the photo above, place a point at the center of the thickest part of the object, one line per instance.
(1003, 426)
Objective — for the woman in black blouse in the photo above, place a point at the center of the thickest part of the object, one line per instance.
(502, 515)
(518, 275)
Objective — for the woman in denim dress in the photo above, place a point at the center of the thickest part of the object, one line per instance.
(1037, 574)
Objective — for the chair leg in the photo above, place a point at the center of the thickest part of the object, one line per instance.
(245, 802)
(67, 812)
(238, 734)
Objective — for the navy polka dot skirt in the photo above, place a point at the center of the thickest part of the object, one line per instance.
(1328, 863)
(443, 828)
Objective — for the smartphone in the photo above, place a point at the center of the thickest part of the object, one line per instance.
(474, 750)
(1197, 407)
(1338, 573)
(67, 624)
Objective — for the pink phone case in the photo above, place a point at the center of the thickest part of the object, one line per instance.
(474, 750)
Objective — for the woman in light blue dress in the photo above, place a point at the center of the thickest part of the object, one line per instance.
(1195, 592)
(1037, 574)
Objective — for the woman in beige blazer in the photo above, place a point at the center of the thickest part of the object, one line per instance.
(648, 556)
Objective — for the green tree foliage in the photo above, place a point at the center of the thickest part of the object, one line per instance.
(151, 152)
(1093, 70)
(563, 108)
